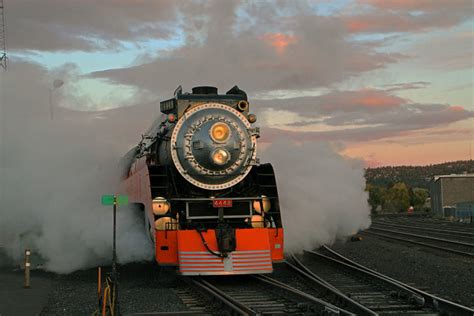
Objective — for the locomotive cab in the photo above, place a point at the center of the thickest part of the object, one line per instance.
(212, 207)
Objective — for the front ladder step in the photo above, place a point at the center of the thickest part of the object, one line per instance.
(159, 181)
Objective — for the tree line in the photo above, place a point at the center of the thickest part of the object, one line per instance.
(397, 197)
(415, 176)
(395, 189)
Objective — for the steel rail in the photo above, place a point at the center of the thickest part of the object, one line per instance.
(430, 222)
(430, 299)
(448, 241)
(345, 301)
(403, 215)
(166, 313)
(239, 308)
(227, 300)
(458, 229)
(458, 252)
(431, 232)
(440, 231)
(412, 296)
(325, 306)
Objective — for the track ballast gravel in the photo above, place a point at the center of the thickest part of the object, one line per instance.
(142, 289)
(447, 275)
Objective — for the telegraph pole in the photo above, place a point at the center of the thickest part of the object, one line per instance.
(3, 64)
(3, 37)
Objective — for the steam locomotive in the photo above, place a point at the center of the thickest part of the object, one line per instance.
(210, 206)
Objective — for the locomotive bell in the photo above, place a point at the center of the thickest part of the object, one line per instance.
(160, 206)
(265, 202)
(162, 223)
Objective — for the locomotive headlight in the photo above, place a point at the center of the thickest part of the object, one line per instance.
(220, 156)
(220, 132)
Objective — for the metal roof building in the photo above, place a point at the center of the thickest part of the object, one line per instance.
(449, 192)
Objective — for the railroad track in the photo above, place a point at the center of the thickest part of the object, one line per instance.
(358, 289)
(453, 246)
(452, 234)
(339, 287)
(377, 294)
(260, 294)
(431, 303)
(436, 224)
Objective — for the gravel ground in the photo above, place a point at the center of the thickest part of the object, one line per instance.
(142, 288)
(15, 300)
(447, 275)
(145, 288)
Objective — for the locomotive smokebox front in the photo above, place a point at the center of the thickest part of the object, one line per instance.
(212, 146)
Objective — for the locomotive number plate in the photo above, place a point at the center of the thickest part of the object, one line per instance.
(221, 203)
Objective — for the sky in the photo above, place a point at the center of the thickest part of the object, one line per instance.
(386, 81)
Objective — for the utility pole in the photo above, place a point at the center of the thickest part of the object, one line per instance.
(3, 37)
(3, 64)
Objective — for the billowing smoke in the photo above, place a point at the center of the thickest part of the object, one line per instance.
(321, 193)
(53, 174)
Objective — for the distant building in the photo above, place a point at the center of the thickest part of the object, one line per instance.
(453, 195)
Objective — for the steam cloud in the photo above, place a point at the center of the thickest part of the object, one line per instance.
(321, 193)
(53, 174)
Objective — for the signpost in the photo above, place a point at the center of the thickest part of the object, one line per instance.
(114, 200)
(109, 199)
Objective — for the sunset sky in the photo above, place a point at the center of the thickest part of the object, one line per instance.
(390, 82)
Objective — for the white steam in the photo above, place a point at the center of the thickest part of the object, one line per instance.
(53, 174)
(321, 193)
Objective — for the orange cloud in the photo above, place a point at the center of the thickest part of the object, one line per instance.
(355, 25)
(361, 99)
(398, 15)
(279, 41)
(418, 5)
(379, 101)
(428, 146)
(385, 154)
(456, 108)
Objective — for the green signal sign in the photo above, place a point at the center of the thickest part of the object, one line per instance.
(109, 199)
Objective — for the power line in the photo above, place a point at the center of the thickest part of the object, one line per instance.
(3, 37)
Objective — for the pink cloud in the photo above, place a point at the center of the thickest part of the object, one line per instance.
(355, 24)
(396, 22)
(279, 41)
(398, 152)
(407, 16)
(456, 108)
(418, 5)
(369, 99)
